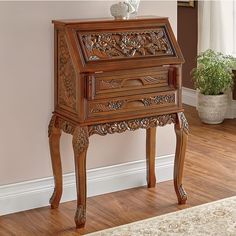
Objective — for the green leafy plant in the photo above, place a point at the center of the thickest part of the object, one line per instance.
(213, 74)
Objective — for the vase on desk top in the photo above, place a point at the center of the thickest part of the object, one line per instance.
(123, 10)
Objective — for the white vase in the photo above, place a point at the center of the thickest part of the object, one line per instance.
(212, 108)
(121, 10)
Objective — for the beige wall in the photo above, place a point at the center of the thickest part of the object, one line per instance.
(26, 91)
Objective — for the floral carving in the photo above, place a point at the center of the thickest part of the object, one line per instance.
(108, 106)
(115, 105)
(161, 99)
(66, 75)
(122, 126)
(66, 126)
(61, 124)
(121, 104)
(184, 122)
(80, 139)
(111, 45)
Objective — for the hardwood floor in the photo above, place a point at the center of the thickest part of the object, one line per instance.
(210, 174)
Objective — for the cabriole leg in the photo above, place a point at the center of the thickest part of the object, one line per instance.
(80, 146)
(54, 135)
(181, 130)
(150, 156)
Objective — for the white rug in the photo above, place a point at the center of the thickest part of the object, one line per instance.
(212, 219)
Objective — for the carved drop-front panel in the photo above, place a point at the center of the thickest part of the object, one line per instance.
(66, 75)
(114, 45)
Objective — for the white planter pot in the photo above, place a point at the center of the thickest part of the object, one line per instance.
(212, 108)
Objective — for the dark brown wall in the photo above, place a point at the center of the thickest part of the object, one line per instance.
(187, 38)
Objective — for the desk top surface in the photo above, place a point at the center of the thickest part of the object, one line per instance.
(106, 19)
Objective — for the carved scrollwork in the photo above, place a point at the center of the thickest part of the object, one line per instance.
(122, 126)
(80, 215)
(161, 99)
(110, 84)
(119, 83)
(153, 80)
(51, 125)
(108, 106)
(184, 122)
(66, 126)
(80, 139)
(109, 45)
(123, 104)
(66, 74)
(183, 195)
(61, 124)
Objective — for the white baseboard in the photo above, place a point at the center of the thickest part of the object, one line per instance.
(33, 194)
(189, 96)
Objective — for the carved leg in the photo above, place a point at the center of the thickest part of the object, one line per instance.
(150, 156)
(181, 130)
(54, 135)
(80, 146)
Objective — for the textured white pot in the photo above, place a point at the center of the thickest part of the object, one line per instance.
(212, 108)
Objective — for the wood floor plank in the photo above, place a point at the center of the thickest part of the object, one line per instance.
(210, 174)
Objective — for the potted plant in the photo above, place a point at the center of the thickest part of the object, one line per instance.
(212, 78)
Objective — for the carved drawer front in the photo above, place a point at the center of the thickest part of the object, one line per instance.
(126, 82)
(131, 104)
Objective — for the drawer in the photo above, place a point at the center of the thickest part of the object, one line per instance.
(125, 82)
(132, 104)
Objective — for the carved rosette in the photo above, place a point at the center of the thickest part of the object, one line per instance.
(122, 126)
(80, 139)
(111, 45)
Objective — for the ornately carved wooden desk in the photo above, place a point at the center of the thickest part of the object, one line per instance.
(112, 76)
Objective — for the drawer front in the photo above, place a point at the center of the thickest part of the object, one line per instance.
(125, 83)
(132, 104)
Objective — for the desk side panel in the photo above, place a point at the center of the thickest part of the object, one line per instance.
(67, 79)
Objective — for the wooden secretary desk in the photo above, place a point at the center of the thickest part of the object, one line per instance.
(112, 76)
